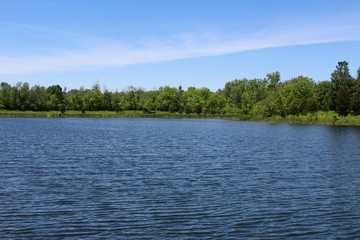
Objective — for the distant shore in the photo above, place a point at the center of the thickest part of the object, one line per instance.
(318, 118)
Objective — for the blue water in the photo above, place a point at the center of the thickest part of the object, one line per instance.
(177, 179)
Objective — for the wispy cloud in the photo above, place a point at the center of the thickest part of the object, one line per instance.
(96, 52)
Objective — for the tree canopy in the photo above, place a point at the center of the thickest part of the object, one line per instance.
(268, 96)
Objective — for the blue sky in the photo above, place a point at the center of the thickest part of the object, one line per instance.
(153, 43)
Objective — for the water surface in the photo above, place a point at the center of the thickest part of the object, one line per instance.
(177, 179)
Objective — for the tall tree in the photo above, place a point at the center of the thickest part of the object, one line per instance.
(355, 98)
(234, 91)
(5, 96)
(134, 98)
(24, 94)
(75, 99)
(324, 95)
(107, 102)
(216, 103)
(342, 88)
(273, 80)
(93, 100)
(167, 99)
(149, 101)
(193, 101)
(56, 98)
(38, 98)
(299, 96)
(274, 102)
(118, 101)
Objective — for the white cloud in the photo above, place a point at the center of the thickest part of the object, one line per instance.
(98, 53)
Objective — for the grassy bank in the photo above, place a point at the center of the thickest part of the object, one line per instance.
(318, 118)
(321, 118)
(103, 114)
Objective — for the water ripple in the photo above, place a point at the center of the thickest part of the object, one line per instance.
(177, 179)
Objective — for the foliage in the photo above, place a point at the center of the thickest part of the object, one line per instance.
(268, 97)
(342, 88)
(167, 99)
(299, 96)
(323, 92)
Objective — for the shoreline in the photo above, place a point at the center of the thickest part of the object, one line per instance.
(319, 118)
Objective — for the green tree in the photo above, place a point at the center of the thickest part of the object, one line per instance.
(299, 96)
(24, 93)
(342, 88)
(75, 99)
(234, 91)
(324, 95)
(273, 80)
(55, 98)
(107, 101)
(274, 102)
(149, 101)
(38, 98)
(355, 98)
(244, 94)
(167, 99)
(134, 98)
(118, 101)
(193, 101)
(216, 103)
(15, 98)
(205, 94)
(93, 100)
(5, 96)
(255, 91)
(180, 99)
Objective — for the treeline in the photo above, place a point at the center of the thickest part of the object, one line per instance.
(268, 97)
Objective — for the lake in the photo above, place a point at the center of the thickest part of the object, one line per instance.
(177, 179)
